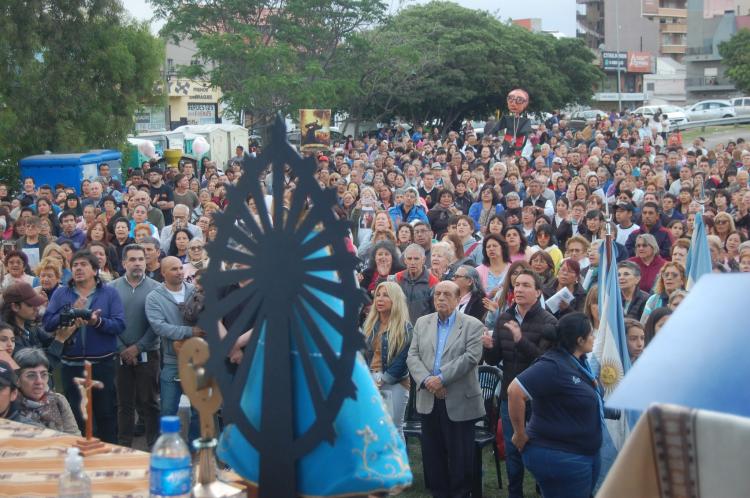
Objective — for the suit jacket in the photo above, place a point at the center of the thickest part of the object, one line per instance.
(461, 356)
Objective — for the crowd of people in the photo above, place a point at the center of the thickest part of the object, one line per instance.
(470, 255)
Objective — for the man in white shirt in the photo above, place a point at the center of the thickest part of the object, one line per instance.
(624, 218)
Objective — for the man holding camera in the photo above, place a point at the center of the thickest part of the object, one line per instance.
(138, 369)
(98, 312)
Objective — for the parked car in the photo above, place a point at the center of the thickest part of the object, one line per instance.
(710, 109)
(676, 115)
(741, 106)
(589, 115)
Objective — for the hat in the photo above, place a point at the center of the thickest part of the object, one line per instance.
(323, 158)
(557, 160)
(21, 292)
(156, 170)
(628, 206)
(7, 375)
(436, 166)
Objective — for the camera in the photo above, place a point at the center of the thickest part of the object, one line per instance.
(69, 315)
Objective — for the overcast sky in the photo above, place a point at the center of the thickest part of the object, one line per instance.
(557, 15)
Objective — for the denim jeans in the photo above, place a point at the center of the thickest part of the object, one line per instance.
(104, 400)
(561, 474)
(171, 390)
(399, 399)
(513, 462)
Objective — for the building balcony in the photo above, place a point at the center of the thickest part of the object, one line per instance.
(673, 28)
(676, 13)
(701, 54)
(673, 49)
(708, 84)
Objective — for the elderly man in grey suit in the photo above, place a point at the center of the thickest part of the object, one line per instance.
(443, 357)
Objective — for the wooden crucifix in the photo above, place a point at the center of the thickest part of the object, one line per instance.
(90, 445)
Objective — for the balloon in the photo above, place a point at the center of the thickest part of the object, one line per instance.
(200, 146)
(147, 148)
(518, 99)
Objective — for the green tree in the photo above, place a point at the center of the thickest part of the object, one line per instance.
(72, 74)
(736, 54)
(447, 63)
(270, 56)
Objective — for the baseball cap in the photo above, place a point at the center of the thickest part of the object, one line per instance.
(323, 158)
(7, 375)
(21, 292)
(557, 160)
(436, 166)
(628, 206)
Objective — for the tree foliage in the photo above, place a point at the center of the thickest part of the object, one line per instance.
(72, 74)
(272, 55)
(448, 62)
(736, 54)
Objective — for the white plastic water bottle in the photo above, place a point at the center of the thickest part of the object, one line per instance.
(74, 483)
(171, 470)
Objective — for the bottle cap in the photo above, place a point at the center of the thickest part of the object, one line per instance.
(73, 460)
(170, 423)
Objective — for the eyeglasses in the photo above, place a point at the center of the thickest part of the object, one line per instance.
(669, 274)
(459, 276)
(721, 222)
(196, 248)
(33, 375)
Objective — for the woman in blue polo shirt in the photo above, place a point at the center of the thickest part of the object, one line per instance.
(560, 444)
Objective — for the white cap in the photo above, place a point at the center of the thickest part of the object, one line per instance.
(73, 460)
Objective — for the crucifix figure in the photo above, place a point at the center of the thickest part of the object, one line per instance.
(90, 445)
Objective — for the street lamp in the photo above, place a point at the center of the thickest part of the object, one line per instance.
(617, 49)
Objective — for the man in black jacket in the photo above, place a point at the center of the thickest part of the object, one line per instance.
(521, 335)
(650, 223)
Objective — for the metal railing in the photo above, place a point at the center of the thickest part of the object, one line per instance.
(708, 81)
(688, 125)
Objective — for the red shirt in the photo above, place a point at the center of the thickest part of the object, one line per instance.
(649, 273)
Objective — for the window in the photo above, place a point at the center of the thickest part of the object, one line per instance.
(650, 87)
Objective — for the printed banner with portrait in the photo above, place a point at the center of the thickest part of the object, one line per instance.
(315, 128)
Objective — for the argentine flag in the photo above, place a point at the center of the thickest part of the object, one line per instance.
(699, 257)
(611, 354)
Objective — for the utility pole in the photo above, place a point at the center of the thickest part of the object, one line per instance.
(617, 49)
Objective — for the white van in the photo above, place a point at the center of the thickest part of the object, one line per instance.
(741, 106)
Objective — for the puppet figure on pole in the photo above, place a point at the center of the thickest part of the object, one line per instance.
(515, 126)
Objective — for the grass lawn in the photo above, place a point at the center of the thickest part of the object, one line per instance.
(417, 490)
(689, 135)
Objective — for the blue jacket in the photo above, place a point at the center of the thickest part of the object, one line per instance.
(417, 212)
(396, 370)
(476, 210)
(89, 342)
(78, 238)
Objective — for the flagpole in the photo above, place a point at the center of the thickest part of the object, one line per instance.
(608, 237)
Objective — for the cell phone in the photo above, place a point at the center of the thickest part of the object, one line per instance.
(143, 357)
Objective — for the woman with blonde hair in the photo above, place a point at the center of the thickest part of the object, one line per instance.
(381, 222)
(55, 251)
(671, 277)
(388, 335)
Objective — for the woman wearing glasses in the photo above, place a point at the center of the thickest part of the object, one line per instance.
(197, 259)
(37, 402)
(671, 278)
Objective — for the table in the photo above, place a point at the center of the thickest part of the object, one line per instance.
(32, 459)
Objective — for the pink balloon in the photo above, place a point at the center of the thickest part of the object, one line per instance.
(200, 146)
(147, 148)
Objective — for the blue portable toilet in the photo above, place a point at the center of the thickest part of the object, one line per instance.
(70, 169)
